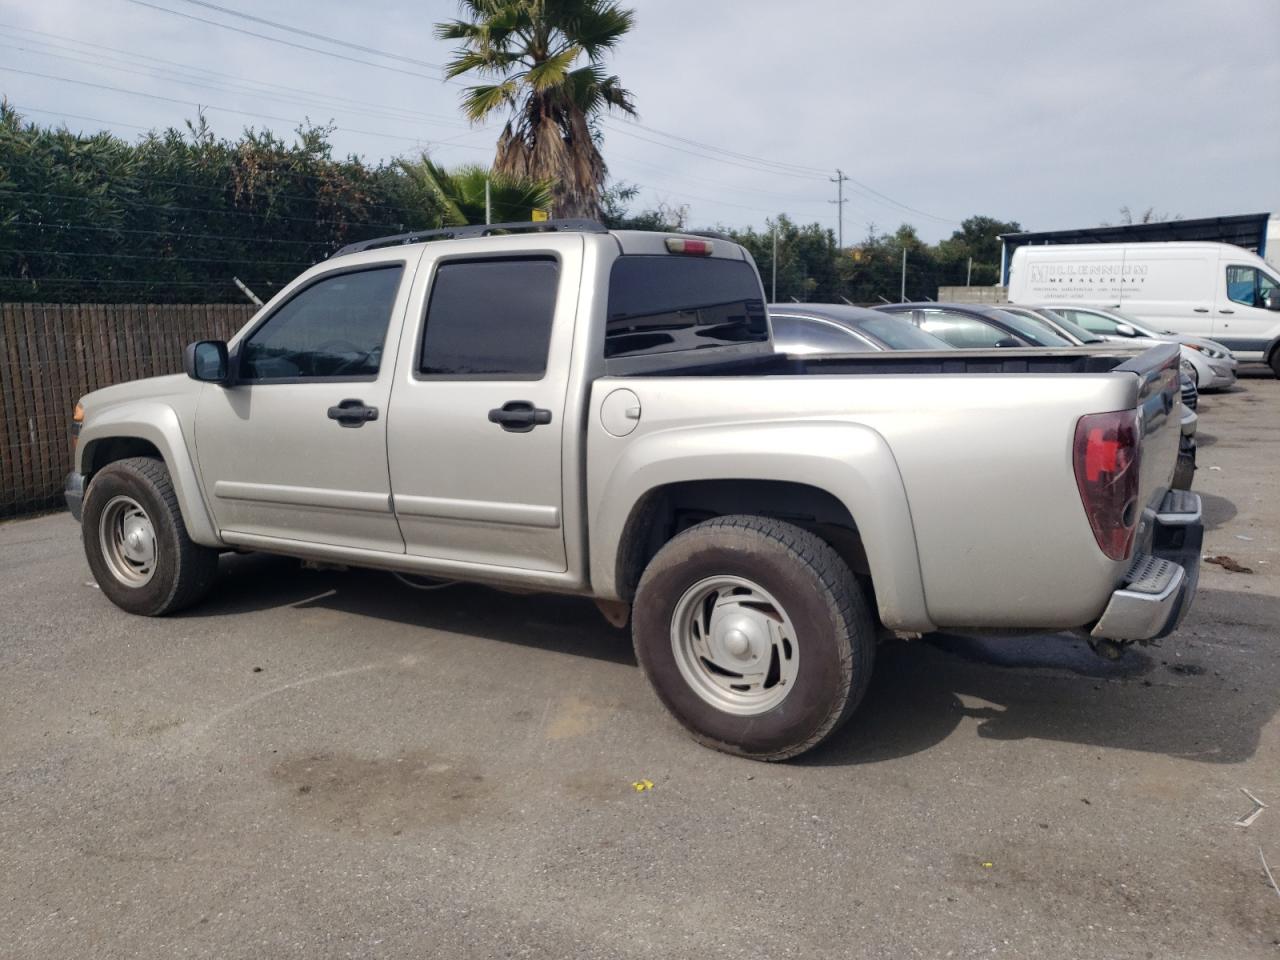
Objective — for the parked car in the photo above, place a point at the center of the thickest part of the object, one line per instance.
(807, 328)
(1052, 320)
(972, 326)
(1210, 363)
(1194, 288)
(602, 413)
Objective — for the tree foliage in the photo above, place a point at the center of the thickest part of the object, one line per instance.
(543, 64)
(176, 215)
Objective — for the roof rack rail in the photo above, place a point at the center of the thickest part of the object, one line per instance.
(474, 230)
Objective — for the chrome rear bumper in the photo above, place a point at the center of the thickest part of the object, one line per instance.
(1160, 584)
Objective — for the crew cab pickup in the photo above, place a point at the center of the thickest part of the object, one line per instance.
(561, 407)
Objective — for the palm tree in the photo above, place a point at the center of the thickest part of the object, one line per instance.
(528, 50)
(459, 193)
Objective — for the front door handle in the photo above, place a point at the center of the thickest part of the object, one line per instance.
(353, 413)
(519, 416)
(1226, 311)
(1202, 309)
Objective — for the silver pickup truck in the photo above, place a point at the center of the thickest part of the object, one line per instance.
(601, 413)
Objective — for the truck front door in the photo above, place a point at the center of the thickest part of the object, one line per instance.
(478, 407)
(296, 449)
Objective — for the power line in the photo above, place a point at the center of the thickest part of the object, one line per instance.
(156, 96)
(228, 84)
(156, 258)
(316, 36)
(794, 167)
(174, 208)
(76, 228)
(287, 43)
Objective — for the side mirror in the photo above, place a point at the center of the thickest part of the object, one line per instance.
(206, 360)
(1124, 330)
(1272, 300)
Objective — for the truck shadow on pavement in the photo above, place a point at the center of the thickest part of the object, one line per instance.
(1204, 696)
(1194, 698)
(562, 624)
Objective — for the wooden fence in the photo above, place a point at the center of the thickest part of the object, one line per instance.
(53, 354)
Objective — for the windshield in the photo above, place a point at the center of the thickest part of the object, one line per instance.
(901, 334)
(1034, 333)
(1074, 329)
(1134, 322)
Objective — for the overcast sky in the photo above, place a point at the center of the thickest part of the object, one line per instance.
(1051, 114)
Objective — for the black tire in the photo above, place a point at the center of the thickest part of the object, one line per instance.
(183, 571)
(835, 633)
(1273, 362)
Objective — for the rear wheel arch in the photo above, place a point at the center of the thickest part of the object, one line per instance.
(664, 512)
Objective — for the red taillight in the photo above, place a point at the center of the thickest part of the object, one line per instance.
(1106, 461)
(691, 248)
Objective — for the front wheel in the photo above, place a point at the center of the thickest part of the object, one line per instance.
(755, 635)
(1274, 362)
(136, 543)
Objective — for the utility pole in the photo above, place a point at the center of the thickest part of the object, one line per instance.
(839, 201)
(902, 295)
(968, 277)
(773, 296)
(488, 206)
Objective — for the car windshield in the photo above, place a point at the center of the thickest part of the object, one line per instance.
(1077, 331)
(901, 334)
(1033, 332)
(1134, 322)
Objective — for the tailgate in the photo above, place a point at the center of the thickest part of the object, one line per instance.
(1159, 417)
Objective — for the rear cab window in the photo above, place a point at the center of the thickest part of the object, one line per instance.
(665, 304)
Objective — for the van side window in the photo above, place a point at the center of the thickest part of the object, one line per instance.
(1242, 285)
(490, 318)
(332, 329)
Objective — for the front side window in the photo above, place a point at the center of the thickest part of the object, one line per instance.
(963, 331)
(333, 329)
(490, 318)
(1242, 286)
(661, 304)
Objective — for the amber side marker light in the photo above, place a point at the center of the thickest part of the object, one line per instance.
(77, 421)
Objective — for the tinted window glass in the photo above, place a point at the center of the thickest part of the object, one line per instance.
(334, 328)
(1242, 284)
(801, 335)
(1033, 333)
(666, 303)
(490, 318)
(1093, 322)
(901, 334)
(963, 331)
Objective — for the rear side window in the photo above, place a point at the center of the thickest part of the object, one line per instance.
(661, 304)
(963, 331)
(490, 318)
(801, 335)
(332, 329)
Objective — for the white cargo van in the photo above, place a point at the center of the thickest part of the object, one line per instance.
(1204, 289)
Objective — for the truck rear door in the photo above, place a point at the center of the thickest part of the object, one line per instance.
(477, 411)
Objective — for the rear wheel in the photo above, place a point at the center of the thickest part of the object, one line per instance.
(755, 635)
(1274, 362)
(136, 543)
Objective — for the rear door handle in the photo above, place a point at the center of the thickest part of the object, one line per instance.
(1202, 309)
(1226, 311)
(519, 416)
(353, 413)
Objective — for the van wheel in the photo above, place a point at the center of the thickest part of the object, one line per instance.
(136, 543)
(1274, 362)
(755, 635)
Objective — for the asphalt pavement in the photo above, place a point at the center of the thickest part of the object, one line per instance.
(321, 764)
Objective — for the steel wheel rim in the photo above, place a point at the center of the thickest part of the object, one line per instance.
(735, 646)
(128, 541)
